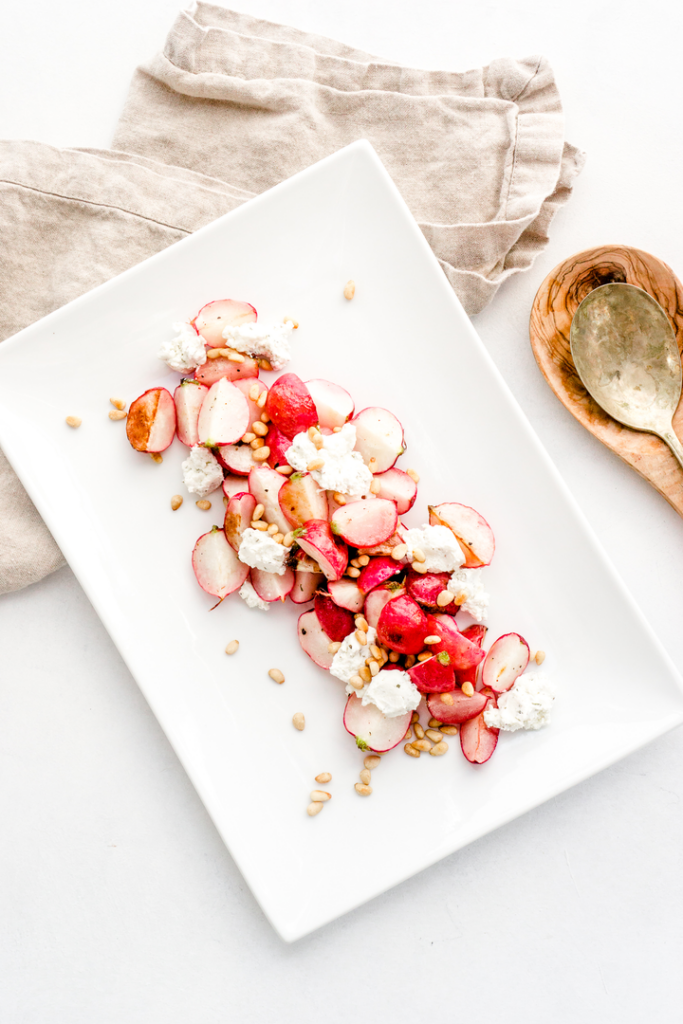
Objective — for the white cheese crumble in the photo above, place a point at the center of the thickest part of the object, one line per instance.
(251, 598)
(202, 472)
(393, 692)
(185, 352)
(260, 551)
(467, 583)
(526, 706)
(262, 341)
(439, 546)
(351, 657)
(343, 469)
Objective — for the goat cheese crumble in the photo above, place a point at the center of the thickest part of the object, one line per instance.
(262, 341)
(467, 583)
(251, 598)
(343, 469)
(439, 546)
(260, 551)
(186, 351)
(526, 706)
(393, 692)
(202, 472)
(351, 657)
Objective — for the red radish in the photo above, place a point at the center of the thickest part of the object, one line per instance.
(271, 587)
(246, 384)
(302, 499)
(397, 486)
(305, 586)
(237, 458)
(290, 405)
(151, 421)
(224, 415)
(233, 485)
(379, 438)
(505, 662)
(378, 571)
(238, 517)
(477, 634)
(337, 622)
(473, 533)
(215, 369)
(477, 739)
(347, 594)
(188, 398)
(426, 587)
(454, 707)
(333, 404)
(371, 729)
(402, 625)
(314, 640)
(318, 542)
(388, 546)
(218, 569)
(363, 523)
(433, 675)
(279, 446)
(463, 653)
(376, 600)
(215, 316)
(265, 484)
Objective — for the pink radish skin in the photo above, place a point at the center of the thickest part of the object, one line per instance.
(265, 485)
(314, 640)
(245, 384)
(426, 587)
(377, 599)
(305, 586)
(301, 499)
(402, 625)
(151, 421)
(212, 318)
(233, 485)
(271, 587)
(217, 369)
(333, 404)
(290, 405)
(224, 415)
(472, 532)
(238, 517)
(188, 398)
(369, 727)
(388, 546)
(218, 569)
(237, 458)
(505, 662)
(463, 653)
(461, 710)
(347, 594)
(377, 572)
(318, 542)
(432, 676)
(477, 739)
(397, 486)
(477, 634)
(279, 446)
(363, 523)
(337, 622)
(379, 438)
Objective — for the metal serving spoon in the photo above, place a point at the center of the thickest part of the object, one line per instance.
(626, 355)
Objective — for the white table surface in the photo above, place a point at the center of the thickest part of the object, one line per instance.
(118, 901)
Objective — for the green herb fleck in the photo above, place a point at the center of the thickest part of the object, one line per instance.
(361, 744)
(444, 658)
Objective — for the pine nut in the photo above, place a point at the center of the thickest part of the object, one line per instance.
(213, 353)
(259, 524)
(374, 667)
(349, 290)
(364, 559)
(467, 689)
(176, 502)
(232, 647)
(399, 552)
(254, 392)
(336, 430)
(423, 745)
(320, 796)
(235, 357)
(272, 529)
(257, 443)
(333, 647)
(74, 421)
(319, 441)
(411, 751)
(393, 657)
(419, 567)
(353, 573)
(540, 657)
(410, 660)
(409, 734)
(434, 723)
(204, 505)
(414, 717)
(365, 776)
(315, 464)
(279, 538)
(447, 698)
(445, 598)
(361, 623)
(264, 364)
(259, 428)
(285, 470)
(339, 498)
(262, 454)
(258, 512)
(248, 437)
(116, 415)
(413, 475)
(355, 563)
(323, 777)
(361, 637)
(363, 789)
(262, 398)
(438, 749)
(298, 721)
(419, 731)
(356, 682)
(365, 674)
(375, 487)
(276, 675)
(432, 734)
(313, 809)
(449, 730)
(288, 539)
(372, 761)
(265, 418)
(156, 457)
(433, 638)
(423, 655)
(375, 652)
(118, 403)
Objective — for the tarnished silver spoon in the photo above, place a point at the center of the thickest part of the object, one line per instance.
(626, 355)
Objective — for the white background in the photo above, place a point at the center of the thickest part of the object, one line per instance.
(118, 901)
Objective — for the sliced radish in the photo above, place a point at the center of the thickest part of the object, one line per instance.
(233, 485)
(477, 634)
(271, 587)
(371, 729)
(363, 523)
(426, 587)
(347, 594)
(473, 533)
(217, 369)
(305, 586)
(477, 739)
(377, 599)
(402, 625)
(433, 675)
(379, 438)
(224, 415)
(246, 386)
(454, 707)
(505, 662)
(302, 499)
(463, 653)
(337, 622)
(188, 398)
(388, 546)
(306, 564)
(318, 542)
(397, 486)
(314, 640)
(333, 404)
(151, 421)
(212, 318)
(218, 569)
(265, 484)
(237, 458)
(290, 405)
(279, 445)
(378, 571)
(238, 517)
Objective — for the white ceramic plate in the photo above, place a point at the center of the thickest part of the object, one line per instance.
(404, 342)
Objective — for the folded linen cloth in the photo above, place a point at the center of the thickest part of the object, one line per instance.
(232, 106)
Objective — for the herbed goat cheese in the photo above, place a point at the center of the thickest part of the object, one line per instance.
(467, 583)
(186, 351)
(262, 341)
(526, 706)
(343, 469)
(393, 692)
(351, 657)
(251, 598)
(439, 546)
(202, 473)
(260, 551)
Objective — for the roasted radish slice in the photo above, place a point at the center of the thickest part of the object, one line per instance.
(426, 587)
(215, 369)
(377, 572)
(379, 438)
(377, 599)
(305, 586)
(237, 458)
(318, 542)
(397, 486)
(365, 523)
(463, 653)
(477, 739)
(402, 625)
(271, 587)
(454, 707)
(371, 729)
(251, 386)
(151, 421)
(188, 398)
(347, 594)
(314, 640)
(473, 533)
(212, 318)
(265, 485)
(433, 675)
(290, 406)
(333, 404)
(238, 517)
(224, 415)
(233, 485)
(278, 446)
(477, 634)
(337, 622)
(301, 499)
(216, 565)
(505, 662)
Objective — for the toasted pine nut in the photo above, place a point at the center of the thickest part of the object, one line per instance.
(265, 418)
(323, 777)
(315, 464)
(116, 414)
(365, 776)
(393, 657)
(439, 748)
(259, 428)
(361, 637)
(279, 538)
(312, 432)
(313, 809)
(413, 475)
(414, 717)
(375, 487)
(288, 539)
(204, 505)
(298, 721)
(433, 638)
(355, 563)
(419, 567)
(540, 657)
(156, 457)
(213, 353)
(371, 761)
(356, 682)
(319, 441)
(432, 734)
(411, 751)
(374, 667)
(364, 559)
(319, 796)
(375, 652)
(467, 689)
(449, 730)
(235, 357)
(423, 655)
(349, 289)
(399, 552)
(73, 421)
(361, 623)
(409, 734)
(410, 660)
(118, 403)
(418, 555)
(272, 529)
(285, 470)
(339, 498)
(353, 573)
(262, 454)
(423, 745)
(365, 674)
(276, 675)
(447, 698)
(445, 598)
(176, 502)
(419, 731)
(254, 392)
(248, 437)
(333, 647)
(434, 723)
(361, 788)
(258, 512)
(259, 524)
(336, 430)
(262, 398)
(264, 364)
(232, 647)
(257, 443)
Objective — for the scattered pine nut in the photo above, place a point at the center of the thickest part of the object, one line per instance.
(262, 398)
(213, 353)
(361, 637)
(355, 563)
(419, 731)
(336, 430)
(432, 734)
(73, 421)
(254, 392)
(414, 717)
(361, 623)
(371, 761)
(423, 655)
(259, 428)
(447, 698)
(393, 657)
(375, 652)
(264, 364)
(276, 675)
(116, 414)
(259, 524)
(356, 682)
(375, 487)
(365, 674)
(339, 498)
(319, 441)
(299, 721)
(315, 464)
(361, 788)
(438, 749)
(323, 777)
(319, 796)
(285, 470)
(432, 639)
(262, 454)
(419, 566)
(364, 559)
(365, 776)
(353, 573)
(434, 723)
(410, 661)
(349, 290)
(203, 504)
(540, 657)
(413, 475)
(279, 538)
(258, 442)
(467, 689)
(258, 512)
(399, 552)
(288, 539)
(449, 730)
(156, 457)
(313, 809)
(411, 751)
(312, 432)
(235, 357)
(425, 745)
(374, 667)
(460, 598)
(265, 418)
(232, 647)
(248, 437)
(118, 403)
(445, 598)
(176, 502)
(418, 555)
(272, 529)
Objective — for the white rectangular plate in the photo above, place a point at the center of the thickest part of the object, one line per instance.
(403, 342)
